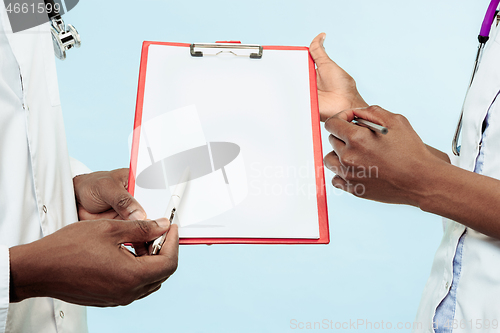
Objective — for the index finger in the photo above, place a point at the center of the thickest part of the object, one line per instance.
(164, 264)
(340, 125)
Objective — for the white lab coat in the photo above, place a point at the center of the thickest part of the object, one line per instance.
(36, 188)
(478, 292)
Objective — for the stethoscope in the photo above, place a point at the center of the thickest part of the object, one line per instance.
(64, 37)
(484, 36)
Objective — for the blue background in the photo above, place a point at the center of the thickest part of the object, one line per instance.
(412, 58)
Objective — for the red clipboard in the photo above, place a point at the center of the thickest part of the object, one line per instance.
(324, 237)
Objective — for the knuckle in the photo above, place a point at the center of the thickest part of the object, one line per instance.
(329, 123)
(319, 54)
(374, 108)
(314, 48)
(119, 172)
(120, 175)
(123, 201)
(172, 266)
(328, 162)
(104, 182)
(96, 190)
(357, 141)
(330, 157)
(143, 227)
(348, 176)
(323, 60)
(333, 122)
(337, 181)
(347, 159)
(399, 118)
(109, 226)
(128, 299)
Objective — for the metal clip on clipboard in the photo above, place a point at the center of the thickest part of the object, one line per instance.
(225, 46)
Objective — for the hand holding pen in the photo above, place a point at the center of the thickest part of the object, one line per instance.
(375, 166)
(374, 127)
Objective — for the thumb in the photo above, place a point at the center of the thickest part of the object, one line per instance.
(330, 75)
(318, 52)
(140, 231)
(117, 196)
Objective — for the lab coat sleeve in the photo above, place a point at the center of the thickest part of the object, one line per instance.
(454, 161)
(4, 286)
(77, 168)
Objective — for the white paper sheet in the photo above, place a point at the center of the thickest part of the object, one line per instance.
(252, 120)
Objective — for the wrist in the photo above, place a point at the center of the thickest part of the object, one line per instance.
(439, 154)
(433, 185)
(25, 279)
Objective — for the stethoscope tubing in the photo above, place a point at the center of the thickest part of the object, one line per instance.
(483, 37)
(488, 19)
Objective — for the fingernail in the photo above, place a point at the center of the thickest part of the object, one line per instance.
(323, 40)
(137, 215)
(163, 222)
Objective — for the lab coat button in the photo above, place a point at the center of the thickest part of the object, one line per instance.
(44, 208)
(447, 285)
(61, 314)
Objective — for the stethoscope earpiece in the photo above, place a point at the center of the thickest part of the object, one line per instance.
(64, 37)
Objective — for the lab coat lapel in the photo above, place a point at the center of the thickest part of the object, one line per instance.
(481, 95)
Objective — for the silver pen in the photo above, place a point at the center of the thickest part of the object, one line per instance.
(173, 206)
(374, 127)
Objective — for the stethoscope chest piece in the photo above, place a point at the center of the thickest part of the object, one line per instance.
(64, 38)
